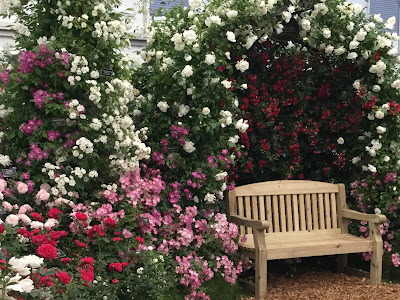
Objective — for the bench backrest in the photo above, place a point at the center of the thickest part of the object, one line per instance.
(291, 205)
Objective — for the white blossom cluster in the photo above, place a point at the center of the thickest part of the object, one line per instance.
(6, 6)
(112, 30)
(76, 110)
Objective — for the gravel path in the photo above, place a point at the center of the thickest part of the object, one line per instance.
(330, 286)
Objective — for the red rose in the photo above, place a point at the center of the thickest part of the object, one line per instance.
(64, 277)
(47, 251)
(140, 240)
(65, 260)
(88, 260)
(115, 266)
(109, 222)
(81, 216)
(87, 275)
(2, 229)
(115, 281)
(54, 213)
(116, 239)
(79, 244)
(37, 217)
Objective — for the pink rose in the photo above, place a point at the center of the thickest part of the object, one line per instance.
(12, 220)
(25, 219)
(3, 185)
(1, 196)
(42, 195)
(50, 223)
(7, 206)
(24, 208)
(37, 225)
(22, 188)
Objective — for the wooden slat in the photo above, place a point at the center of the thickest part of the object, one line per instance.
(327, 205)
(254, 206)
(282, 187)
(302, 213)
(282, 212)
(247, 212)
(269, 213)
(315, 211)
(275, 211)
(308, 212)
(261, 208)
(296, 213)
(232, 204)
(289, 214)
(321, 211)
(241, 213)
(333, 210)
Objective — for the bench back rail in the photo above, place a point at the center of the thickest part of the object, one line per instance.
(291, 206)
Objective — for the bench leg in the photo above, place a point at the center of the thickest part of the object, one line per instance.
(341, 263)
(376, 265)
(261, 274)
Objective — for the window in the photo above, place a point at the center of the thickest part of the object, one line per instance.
(165, 4)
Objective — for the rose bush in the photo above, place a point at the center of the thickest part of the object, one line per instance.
(322, 106)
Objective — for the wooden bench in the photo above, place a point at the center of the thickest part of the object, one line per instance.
(299, 218)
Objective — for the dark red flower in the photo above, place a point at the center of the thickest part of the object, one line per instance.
(2, 229)
(109, 222)
(54, 213)
(88, 260)
(47, 251)
(139, 239)
(81, 216)
(37, 217)
(80, 244)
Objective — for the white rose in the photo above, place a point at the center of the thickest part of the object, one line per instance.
(189, 147)
(379, 114)
(183, 110)
(5, 160)
(360, 36)
(194, 4)
(251, 40)
(205, 111)
(386, 158)
(376, 88)
(227, 84)
(242, 65)
(339, 51)
(326, 32)
(305, 24)
(390, 23)
(231, 36)
(210, 59)
(231, 14)
(377, 18)
(396, 84)
(242, 125)
(187, 71)
(352, 55)
(356, 159)
(372, 168)
(190, 36)
(380, 129)
(163, 106)
(353, 45)
(350, 26)
(340, 141)
(221, 176)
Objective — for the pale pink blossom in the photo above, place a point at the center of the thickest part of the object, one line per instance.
(37, 225)
(42, 195)
(7, 206)
(3, 185)
(22, 188)
(12, 220)
(25, 219)
(50, 223)
(24, 208)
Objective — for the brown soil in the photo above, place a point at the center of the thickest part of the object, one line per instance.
(329, 286)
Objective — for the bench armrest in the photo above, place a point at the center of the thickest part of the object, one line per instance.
(355, 215)
(255, 224)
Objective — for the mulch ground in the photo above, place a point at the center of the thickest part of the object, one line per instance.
(329, 286)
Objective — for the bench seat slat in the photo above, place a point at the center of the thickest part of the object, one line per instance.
(313, 245)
